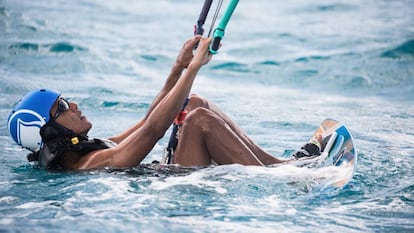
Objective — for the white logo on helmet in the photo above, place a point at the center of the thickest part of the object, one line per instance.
(27, 132)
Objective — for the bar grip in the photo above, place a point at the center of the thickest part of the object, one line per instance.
(215, 45)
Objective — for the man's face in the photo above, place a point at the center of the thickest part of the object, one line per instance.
(70, 117)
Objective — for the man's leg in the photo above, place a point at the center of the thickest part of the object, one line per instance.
(206, 137)
(263, 156)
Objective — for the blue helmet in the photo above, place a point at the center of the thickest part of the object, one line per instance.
(29, 115)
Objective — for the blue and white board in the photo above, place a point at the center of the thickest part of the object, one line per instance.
(338, 150)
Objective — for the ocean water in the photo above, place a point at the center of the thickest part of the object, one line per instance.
(284, 67)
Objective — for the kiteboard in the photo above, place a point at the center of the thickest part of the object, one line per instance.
(337, 149)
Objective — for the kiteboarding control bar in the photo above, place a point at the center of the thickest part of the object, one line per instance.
(218, 33)
(198, 28)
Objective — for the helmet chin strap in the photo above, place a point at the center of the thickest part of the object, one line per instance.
(53, 130)
(56, 139)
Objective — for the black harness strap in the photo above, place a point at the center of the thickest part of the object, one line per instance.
(172, 143)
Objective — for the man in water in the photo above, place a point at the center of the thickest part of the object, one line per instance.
(207, 135)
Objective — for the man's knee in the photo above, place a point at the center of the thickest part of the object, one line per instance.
(198, 115)
(197, 101)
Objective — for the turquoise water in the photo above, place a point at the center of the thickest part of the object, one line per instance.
(283, 68)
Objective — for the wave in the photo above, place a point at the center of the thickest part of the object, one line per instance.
(269, 63)
(311, 58)
(404, 50)
(59, 47)
(233, 66)
(335, 7)
(328, 8)
(149, 57)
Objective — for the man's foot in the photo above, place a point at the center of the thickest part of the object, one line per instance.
(310, 149)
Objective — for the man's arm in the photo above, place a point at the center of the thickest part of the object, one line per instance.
(183, 59)
(133, 149)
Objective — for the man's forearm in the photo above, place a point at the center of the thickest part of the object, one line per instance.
(175, 73)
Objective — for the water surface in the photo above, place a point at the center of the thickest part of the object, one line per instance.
(283, 68)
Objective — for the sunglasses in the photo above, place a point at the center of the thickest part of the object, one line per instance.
(63, 105)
